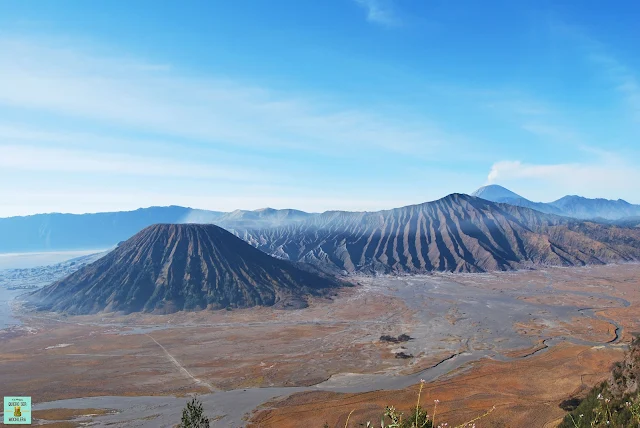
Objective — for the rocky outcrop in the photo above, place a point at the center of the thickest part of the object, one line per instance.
(625, 375)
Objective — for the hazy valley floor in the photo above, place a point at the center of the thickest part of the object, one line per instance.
(523, 341)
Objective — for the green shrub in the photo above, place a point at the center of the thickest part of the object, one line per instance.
(601, 409)
(193, 415)
(611, 404)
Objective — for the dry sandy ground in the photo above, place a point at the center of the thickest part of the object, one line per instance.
(526, 393)
(500, 320)
(56, 357)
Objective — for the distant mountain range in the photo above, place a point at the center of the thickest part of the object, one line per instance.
(280, 257)
(54, 232)
(172, 267)
(569, 206)
(43, 232)
(167, 268)
(458, 233)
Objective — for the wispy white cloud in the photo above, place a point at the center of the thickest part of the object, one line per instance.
(380, 12)
(16, 158)
(610, 177)
(222, 112)
(90, 132)
(16, 133)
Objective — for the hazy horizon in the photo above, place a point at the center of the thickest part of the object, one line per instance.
(381, 208)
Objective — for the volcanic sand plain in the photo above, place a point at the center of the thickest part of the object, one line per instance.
(520, 341)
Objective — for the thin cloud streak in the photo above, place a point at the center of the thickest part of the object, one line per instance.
(607, 178)
(221, 112)
(379, 12)
(38, 158)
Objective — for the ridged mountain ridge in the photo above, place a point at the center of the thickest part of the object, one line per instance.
(579, 207)
(499, 194)
(458, 233)
(168, 267)
(53, 232)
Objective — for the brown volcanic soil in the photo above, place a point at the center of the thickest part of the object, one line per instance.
(223, 349)
(525, 393)
(203, 351)
(65, 418)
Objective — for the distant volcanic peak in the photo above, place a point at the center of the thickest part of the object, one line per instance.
(170, 267)
(570, 206)
(495, 193)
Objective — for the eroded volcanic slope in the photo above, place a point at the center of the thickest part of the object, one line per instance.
(168, 267)
(458, 233)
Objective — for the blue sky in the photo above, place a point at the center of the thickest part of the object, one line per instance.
(315, 105)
